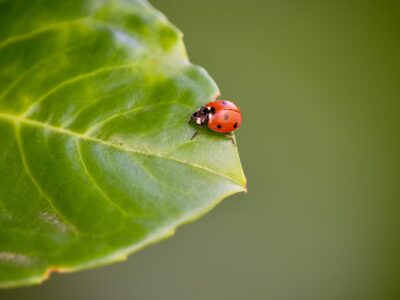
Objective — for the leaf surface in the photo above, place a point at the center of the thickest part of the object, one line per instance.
(96, 159)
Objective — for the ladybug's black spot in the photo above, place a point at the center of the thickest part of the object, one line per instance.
(224, 103)
(226, 117)
(219, 126)
(235, 125)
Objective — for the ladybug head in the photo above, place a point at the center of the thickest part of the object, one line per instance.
(201, 116)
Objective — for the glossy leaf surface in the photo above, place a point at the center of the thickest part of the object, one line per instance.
(96, 159)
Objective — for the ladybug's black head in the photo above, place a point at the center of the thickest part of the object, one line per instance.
(200, 116)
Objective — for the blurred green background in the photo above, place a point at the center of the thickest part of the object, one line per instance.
(319, 86)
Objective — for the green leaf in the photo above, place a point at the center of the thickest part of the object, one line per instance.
(96, 160)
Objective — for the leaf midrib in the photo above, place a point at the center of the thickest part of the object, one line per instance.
(26, 121)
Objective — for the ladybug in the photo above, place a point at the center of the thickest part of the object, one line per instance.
(220, 116)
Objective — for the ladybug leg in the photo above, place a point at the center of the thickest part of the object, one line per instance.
(231, 136)
(194, 135)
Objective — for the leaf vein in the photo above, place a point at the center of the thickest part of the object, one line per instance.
(74, 80)
(91, 178)
(31, 69)
(29, 173)
(17, 38)
(136, 109)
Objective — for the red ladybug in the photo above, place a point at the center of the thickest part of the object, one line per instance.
(220, 116)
